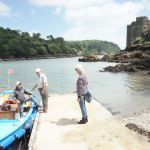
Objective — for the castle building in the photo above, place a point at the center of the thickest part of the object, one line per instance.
(136, 28)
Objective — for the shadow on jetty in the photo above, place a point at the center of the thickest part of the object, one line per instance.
(65, 122)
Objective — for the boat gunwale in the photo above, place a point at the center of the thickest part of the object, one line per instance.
(21, 123)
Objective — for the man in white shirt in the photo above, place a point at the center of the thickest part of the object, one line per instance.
(43, 88)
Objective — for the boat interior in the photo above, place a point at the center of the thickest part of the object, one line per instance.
(9, 108)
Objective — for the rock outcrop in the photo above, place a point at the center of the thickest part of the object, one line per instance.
(89, 58)
(130, 60)
(138, 129)
(121, 68)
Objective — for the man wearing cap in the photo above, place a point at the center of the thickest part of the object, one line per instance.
(19, 96)
(43, 88)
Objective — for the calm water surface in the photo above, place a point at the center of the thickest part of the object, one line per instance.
(121, 93)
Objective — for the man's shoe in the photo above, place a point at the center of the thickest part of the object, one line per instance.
(83, 121)
(86, 119)
(44, 111)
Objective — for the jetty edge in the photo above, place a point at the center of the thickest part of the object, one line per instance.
(58, 129)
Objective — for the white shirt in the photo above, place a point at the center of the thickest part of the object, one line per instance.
(42, 81)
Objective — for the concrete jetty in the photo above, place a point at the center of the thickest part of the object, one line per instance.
(58, 129)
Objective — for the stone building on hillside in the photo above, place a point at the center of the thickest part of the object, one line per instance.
(136, 28)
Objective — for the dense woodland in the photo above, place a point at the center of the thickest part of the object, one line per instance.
(17, 44)
(96, 46)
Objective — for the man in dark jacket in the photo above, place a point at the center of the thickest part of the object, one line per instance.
(19, 96)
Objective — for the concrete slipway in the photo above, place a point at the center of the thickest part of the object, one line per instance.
(58, 129)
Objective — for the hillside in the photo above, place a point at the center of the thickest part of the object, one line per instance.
(96, 46)
(18, 44)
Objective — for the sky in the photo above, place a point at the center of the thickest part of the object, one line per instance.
(74, 19)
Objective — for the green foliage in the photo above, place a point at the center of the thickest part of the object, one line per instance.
(147, 43)
(53, 49)
(143, 39)
(138, 40)
(95, 46)
(14, 43)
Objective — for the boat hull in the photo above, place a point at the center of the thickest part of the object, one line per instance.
(12, 130)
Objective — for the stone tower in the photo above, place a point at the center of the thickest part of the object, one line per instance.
(136, 28)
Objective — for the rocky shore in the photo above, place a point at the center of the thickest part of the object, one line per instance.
(89, 58)
(138, 129)
(139, 123)
(132, 59)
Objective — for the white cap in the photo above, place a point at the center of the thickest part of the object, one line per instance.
(17, 83)
(79, 67)
(38, 70)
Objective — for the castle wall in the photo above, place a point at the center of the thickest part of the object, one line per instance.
(136, 28)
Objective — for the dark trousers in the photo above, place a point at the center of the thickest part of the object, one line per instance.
(44, 98)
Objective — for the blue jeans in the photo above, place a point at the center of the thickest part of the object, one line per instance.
(83, 107)
(21, 110)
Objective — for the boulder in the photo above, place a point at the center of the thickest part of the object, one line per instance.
(111, 69)
(121, 68)
(89, 58)
(138, 129)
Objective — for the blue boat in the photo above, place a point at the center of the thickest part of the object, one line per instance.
(12, 127)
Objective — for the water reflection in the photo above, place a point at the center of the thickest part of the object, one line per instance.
(138, 82)
(133, 95)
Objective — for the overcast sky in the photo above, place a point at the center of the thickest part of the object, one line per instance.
(74, 19)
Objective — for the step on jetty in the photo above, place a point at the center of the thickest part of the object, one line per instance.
(58, 129)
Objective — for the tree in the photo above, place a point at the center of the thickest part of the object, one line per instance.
(53, 49)
(25, 34)
(15, 43)
(32, 52)
(36, 35)
(50, 38)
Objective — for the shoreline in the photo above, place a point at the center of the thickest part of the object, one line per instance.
(138, 123)
(39, 57)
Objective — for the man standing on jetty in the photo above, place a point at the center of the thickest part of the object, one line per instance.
(43, 88)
